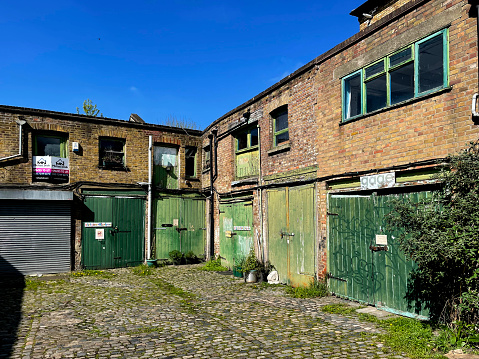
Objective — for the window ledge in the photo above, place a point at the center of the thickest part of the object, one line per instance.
(400, 104)
(114, 168)
(249, 149)
(244, 182)
(279, 149)
(192, 179)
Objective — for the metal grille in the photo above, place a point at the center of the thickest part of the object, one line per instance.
(35, 237)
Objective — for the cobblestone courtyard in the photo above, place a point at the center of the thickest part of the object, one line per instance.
(176, 312)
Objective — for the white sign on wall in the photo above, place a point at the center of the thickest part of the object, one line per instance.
(100, 233)
(383, 180)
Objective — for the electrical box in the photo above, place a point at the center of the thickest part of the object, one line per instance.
(75, 147)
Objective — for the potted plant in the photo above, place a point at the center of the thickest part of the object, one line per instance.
(250, 267)
(176, 256)
(238, 267)
(151, 262)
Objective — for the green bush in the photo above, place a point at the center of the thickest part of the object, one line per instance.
(441, 235)
(191, 258)
(315, 289)
(176, 256)
(214, 265)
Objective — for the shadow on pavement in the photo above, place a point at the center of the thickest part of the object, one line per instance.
(12, 284)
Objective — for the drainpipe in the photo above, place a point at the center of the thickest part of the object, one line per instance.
(260, 193)
(474, 97)
(20, 143)
(213, 174)
(150, 195)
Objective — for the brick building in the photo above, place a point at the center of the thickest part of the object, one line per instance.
(302, 172)
(305, 168)
(74, 188)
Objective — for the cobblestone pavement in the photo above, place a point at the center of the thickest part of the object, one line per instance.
(176, 312)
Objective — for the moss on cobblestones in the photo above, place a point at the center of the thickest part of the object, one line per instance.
(181, 311)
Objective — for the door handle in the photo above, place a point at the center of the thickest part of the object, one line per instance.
(378, 248)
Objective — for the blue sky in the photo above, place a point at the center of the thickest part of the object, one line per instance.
(192, 59)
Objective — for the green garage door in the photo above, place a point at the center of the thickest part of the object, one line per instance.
(236, 231)
(113, 232)
(365, 263)
(291, 233)
(180, 225)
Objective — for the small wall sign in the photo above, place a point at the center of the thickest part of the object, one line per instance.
(382, 239)
(382, 180)
(242, 228)
(97, 224)
(100, 234)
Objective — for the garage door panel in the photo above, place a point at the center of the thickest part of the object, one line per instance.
(35, 237)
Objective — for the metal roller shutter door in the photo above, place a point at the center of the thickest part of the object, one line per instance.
(35, 237)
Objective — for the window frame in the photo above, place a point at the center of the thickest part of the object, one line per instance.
(388, 70)
(195, 156)
(248, 147)
(101, 154)
(206, 158)
(275, 114)
(63, 143)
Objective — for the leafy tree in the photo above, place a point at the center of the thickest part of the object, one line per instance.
(90, 109)
(441, 235)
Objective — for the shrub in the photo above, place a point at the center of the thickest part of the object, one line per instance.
(315, 289)
(441, 235)
(176, 256)
(214, 265)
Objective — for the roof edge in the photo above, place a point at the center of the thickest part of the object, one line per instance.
(325, 56)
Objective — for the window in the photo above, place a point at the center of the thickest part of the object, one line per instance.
(50, 145)
(112, 153)
(411, 72)
(206, 158)
(165, 167)
(50, 158)
(247, 140)
(247, 153)
(190, 161)
(280, 125)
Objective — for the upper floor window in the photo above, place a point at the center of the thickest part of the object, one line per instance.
(190, 161)
(112, 153)
(411, 72)
(247, 139)
(280, 125)
(247, 153)
(206, 158)
(50, 158)
(50, 145)
(165, 167)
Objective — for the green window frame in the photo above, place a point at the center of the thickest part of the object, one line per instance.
(280, 125)
(206, 158)
(190, 161)
(112, 153)
(50, 145)
(416, 70)
(246, 140)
